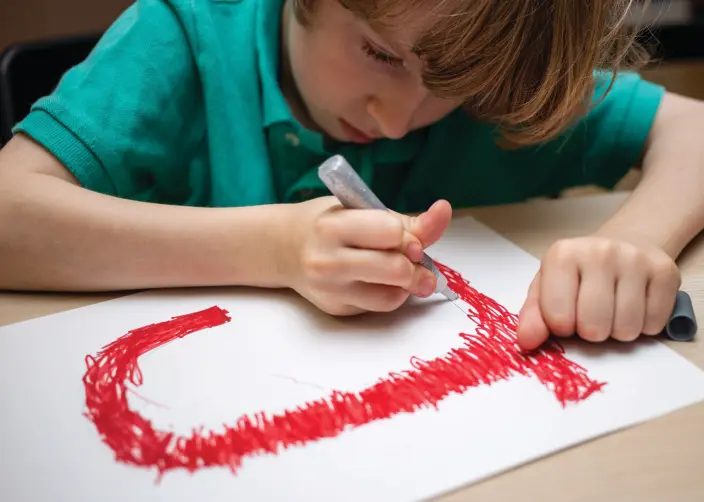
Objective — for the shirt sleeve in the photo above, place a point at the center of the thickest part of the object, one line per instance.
(609, 140)
(124, 120)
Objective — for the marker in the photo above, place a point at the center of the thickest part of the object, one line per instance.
(353, 193)
(682, 325)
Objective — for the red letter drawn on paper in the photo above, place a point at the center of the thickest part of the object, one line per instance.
(488, 355)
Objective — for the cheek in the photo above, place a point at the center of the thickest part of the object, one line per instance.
(434, 110)
(326, 73)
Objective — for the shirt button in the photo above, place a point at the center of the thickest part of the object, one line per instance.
(292, 139)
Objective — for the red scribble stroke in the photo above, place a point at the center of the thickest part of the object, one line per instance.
(493, 353)
(489, 355)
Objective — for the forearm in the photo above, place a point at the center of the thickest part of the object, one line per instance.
(667, 207)
(58, 236)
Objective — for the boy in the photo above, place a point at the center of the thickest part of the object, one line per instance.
(183, 152)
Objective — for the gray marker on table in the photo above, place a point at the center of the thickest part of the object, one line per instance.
(682, 325)
(353, 193)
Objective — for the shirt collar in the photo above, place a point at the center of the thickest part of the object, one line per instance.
(268, 37)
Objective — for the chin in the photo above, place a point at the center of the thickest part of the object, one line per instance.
(337, 135)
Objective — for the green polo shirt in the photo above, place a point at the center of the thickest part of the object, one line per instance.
(179, 104)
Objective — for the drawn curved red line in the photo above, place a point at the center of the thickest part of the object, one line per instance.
(487, 356)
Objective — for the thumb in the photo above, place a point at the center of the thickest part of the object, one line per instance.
(532, 331)
(429, 226)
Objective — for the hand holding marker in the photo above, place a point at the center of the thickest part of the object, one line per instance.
(353, 193)
(345, 184)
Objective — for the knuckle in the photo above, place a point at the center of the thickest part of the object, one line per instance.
(392, 299)
(604, 252)
(627, 332)
(325, 301)
(654, 324)
(560, 324)
(593, 332)
(664, 271)
(392, 226)
(631, 257)
(318, 265)
(400, 269)
(325, 226)
(561, 252)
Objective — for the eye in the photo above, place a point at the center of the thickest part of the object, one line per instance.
(381, 56)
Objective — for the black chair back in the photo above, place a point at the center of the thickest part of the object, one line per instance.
(32, 70)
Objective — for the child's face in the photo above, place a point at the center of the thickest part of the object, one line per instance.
(358, 85)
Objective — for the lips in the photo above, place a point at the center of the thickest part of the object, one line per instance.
(354, 134)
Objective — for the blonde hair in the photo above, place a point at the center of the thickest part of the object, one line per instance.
(526, 66)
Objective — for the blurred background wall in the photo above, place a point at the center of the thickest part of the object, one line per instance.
(23, 20)
(678, 26)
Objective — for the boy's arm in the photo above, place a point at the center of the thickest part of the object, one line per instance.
(621, 282)
(57, 235)
(667, 207)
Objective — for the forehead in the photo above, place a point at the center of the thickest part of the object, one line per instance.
(403, 22)
(422, 27)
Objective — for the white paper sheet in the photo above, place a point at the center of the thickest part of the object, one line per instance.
(277, 353)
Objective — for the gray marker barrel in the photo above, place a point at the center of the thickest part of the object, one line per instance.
(347, 186)
(682, 325)
(351, 190)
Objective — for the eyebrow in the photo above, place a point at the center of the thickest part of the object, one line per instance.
(393, 48)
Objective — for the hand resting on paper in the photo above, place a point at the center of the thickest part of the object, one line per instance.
(598, 288)
(349, 261)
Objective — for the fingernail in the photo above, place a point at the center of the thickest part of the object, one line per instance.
(427, 286)
(415, 252)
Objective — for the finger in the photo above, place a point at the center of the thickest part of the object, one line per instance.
(595, 302)
(660, 298)
(373, 297)
(389, 268)
(532, 331)
(629, 306)
(559, 286)
(362, 228)
(429, 226)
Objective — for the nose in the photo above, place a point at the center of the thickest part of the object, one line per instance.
(394, 111)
